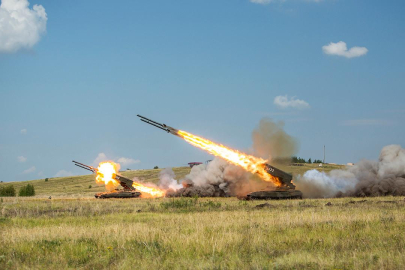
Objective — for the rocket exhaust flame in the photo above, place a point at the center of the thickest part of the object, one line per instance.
(107, 174)
(249, 163)
(151, 191)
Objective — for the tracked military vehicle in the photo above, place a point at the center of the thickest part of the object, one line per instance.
(118, 193)
(128, 192)
(286, 190)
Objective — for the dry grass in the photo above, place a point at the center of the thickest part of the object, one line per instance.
(202, 233)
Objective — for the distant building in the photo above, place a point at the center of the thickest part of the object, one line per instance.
(192, 164)
(350, 164)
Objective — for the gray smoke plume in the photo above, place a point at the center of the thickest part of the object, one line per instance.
(222, 179)
(216, 179)
(270, 141)
(366, 178)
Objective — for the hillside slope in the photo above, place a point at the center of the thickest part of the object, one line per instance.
(85, 185)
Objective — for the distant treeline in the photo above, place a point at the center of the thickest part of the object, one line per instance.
(9, 191)
(296, 159)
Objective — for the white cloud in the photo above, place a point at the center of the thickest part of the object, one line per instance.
(23, 131)
(122, 160)
(21, 159)
(30, 170)
(285, 102)
(101, 157)
(63, 173)
(127, 161)
(340, 49)
(20, 26)
(262, 2)
(367, 122)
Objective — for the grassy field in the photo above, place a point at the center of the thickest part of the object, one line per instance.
(189, 233)
(73, 230)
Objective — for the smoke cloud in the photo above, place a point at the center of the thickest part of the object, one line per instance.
(216, 179)
(367, 178)
(167, 180)
(270, 141)
(222, 179)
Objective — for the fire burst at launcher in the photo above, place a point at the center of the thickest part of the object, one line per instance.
(107, 173)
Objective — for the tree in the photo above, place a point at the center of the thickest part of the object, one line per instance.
(27, 190)
(7, 191)
(156, 167)
(309, 161)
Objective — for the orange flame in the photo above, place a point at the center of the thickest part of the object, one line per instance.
(151, 191)
(249, 163)
(107, 171)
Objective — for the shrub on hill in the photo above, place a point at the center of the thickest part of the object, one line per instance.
(7, 191)
(27, 190)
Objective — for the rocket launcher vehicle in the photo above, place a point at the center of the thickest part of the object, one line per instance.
(128, 192)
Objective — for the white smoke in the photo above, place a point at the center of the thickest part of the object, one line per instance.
(319, 184)
(167, 180)
(367, 178)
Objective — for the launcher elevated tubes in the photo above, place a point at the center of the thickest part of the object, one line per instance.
(159, 125)
(124, 182)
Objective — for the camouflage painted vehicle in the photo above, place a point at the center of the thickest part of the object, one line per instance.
(118, 194)
(277, 194)
(286, 190)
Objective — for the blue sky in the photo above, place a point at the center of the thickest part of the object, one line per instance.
(212, 68)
